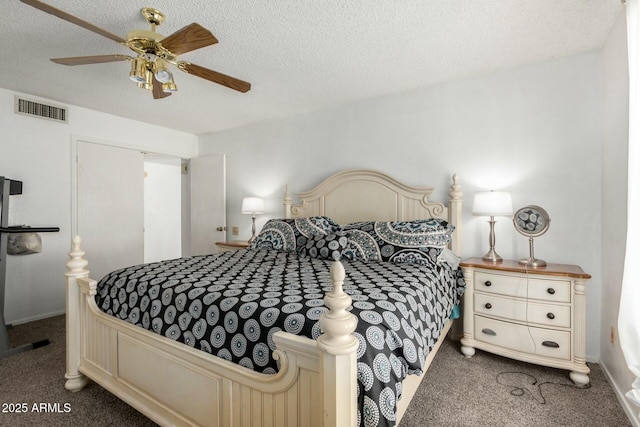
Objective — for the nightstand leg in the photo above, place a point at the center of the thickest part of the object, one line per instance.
(467, 315)
(581, 380)
(467, 351)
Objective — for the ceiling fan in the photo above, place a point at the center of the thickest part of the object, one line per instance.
(149, 67)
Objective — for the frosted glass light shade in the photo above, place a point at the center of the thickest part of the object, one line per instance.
(252, 205)
(492, 203)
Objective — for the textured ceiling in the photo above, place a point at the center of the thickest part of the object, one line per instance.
(299, 55)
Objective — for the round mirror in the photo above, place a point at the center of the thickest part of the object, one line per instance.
(531, 221)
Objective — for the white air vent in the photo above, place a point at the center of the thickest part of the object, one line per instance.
(38, 109)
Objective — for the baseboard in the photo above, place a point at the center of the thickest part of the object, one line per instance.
(631, 411)
(34, 318)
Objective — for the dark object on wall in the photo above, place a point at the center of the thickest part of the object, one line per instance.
(24, 244)
(10, 187)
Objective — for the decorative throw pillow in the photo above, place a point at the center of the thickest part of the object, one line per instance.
(399, 241)
(362, 245)
(329, 246)
(289, 234)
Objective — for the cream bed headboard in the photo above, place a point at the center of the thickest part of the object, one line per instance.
(369, 195)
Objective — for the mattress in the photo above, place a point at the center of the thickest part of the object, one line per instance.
(230, 305)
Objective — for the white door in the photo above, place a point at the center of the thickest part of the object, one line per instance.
(110, 203)
(208, 216)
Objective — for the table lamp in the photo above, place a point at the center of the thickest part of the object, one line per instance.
(492, 204)
(252, 206)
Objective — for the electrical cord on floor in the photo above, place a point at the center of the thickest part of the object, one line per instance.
(518, 391)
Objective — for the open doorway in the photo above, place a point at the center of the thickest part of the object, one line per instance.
(162, 207)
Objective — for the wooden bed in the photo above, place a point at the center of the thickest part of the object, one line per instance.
(316, 384)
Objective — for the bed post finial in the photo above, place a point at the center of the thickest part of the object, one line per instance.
(75, 270)
(337, 323)
(287, 202)
(455, 192)
(455, 214)
(76, 263)
(339, 346)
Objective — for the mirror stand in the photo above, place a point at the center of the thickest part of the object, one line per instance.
(532, 261)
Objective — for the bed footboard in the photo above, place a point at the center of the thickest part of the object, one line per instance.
(174, 384)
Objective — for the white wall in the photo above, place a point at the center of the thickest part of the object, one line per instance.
(614, 203)
(535, 131)
(38, 152)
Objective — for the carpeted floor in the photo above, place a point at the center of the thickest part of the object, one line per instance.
(485, 390)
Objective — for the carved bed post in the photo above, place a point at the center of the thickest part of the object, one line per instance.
(339, 346)
(75, 270)
(287, 202)
(455, 214)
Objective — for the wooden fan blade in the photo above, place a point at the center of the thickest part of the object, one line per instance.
(157, 91)
(85, 60)
(216, 77)
(189, 38)
(74, 20)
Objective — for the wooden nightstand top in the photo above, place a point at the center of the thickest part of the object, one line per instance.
(565, 270)
(234, 244)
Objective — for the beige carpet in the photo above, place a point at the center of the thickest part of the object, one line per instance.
(485, 390)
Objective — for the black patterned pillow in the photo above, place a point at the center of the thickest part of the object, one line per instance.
(289, 234)
(329, 246)
(416, 242)
(362, 245)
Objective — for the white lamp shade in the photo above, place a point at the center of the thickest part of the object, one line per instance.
(252, 205)
(492, 203)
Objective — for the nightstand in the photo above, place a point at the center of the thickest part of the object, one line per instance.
(536, 315)
(232, 245)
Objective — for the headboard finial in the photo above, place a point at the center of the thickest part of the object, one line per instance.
(455, 192)
(287, 202)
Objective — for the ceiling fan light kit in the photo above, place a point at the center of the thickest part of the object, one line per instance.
(162, 72)
(138, 72)
(149, 68)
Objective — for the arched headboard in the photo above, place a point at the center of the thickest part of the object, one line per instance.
(370, 195)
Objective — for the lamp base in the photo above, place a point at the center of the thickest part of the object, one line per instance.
(532, 262)
(253, 229)
(492, 256)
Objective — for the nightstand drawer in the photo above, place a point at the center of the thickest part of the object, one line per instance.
(503, 334)
(549, 315)
(523, 286)
(550, 343)
(491, 305)
(549, 290)
(543, 342)
(522, 311)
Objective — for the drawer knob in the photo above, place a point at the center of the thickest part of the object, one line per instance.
(487, 283)
(490, 332)
(488, 306)
(551, 344)
(551, 316)
(551, 291)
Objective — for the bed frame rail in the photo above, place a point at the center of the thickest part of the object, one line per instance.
(146, 370)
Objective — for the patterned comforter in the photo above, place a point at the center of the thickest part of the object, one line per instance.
(230, 305)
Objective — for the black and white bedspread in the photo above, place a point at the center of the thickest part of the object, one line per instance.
(230, 304)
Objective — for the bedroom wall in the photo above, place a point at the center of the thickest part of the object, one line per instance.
(535, 131)
(614, 204)
(38, 152)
